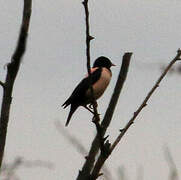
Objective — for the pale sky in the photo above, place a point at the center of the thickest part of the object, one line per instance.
(55, 62)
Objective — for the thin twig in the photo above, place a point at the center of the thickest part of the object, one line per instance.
(12, 70)
(144, 103)
(88, 40)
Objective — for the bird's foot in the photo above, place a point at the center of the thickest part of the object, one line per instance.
(89, 109)
(91, 106)
(92, 111)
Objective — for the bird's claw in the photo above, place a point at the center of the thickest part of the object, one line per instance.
(91, 106)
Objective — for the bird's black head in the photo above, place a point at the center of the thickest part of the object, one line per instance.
(103, 62)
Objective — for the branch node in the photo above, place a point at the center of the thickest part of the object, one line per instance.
(86, 157)
(100, 174)
(106, 149)
(121, 130)
(90, 38)
(95, 119)
(144, 105)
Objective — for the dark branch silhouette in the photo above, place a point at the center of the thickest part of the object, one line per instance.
(12, 70)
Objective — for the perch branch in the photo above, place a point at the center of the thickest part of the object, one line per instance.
(12, 70)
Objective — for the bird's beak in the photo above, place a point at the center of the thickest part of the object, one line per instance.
(113, 64)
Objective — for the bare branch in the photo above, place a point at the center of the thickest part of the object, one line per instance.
(12, 70)
(144, 103)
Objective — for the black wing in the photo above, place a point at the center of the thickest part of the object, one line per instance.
(78, 94)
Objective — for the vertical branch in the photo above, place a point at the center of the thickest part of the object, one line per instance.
(88, 37)
(12, 70)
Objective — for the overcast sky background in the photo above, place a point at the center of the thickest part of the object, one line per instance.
(55, 62)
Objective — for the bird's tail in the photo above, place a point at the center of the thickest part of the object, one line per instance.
(72, 110)
(66, 103)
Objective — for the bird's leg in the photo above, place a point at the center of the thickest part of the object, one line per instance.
(89, 109)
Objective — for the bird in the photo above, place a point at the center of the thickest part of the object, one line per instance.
(99, 78)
